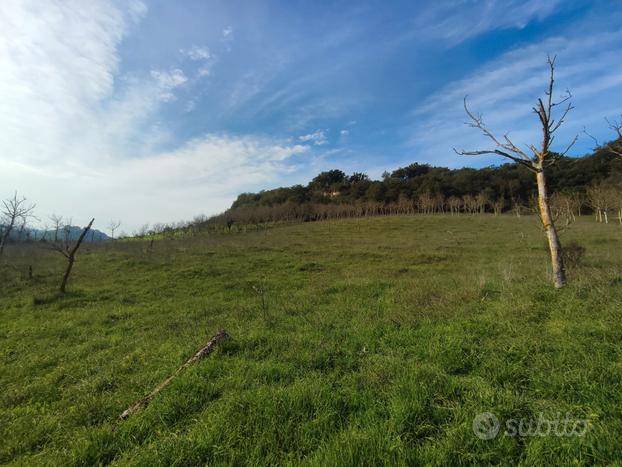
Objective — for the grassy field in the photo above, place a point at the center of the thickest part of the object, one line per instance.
(360, 342)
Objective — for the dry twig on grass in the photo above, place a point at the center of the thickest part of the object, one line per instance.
(200, 354)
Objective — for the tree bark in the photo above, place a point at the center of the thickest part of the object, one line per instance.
(5, 235)
(557, 262)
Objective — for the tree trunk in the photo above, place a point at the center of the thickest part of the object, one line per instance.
(559, 273)
(63, 284)
(71, 256)
(5, 236)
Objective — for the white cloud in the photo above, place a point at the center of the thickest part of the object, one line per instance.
(80, 139)
(344, 132)
(57, 61)
(197, 53)
(203, 55)
(317, 138)
(227, 33)
(167, 81)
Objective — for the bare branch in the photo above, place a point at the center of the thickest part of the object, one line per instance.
(518, 160)
(615, 146)
(615, 126)
(572, 143)
(554, 128)
(510, 150)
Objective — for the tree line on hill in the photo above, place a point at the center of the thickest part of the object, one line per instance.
(589, 184)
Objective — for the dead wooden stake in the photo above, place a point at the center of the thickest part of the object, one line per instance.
(200, 354)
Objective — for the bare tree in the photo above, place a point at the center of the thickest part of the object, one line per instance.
(13, 211)
(112, 226)
(540, 159)
(565, 206)
(482, 201)
(497, 205)
(597, 197)
(454, 203)
(57, 224)
(469, 203)
(69, 251)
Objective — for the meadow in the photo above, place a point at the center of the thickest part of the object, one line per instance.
(370, 341)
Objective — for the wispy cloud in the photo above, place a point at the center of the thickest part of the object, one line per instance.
(456, 21)
(197, 53)
(505, 90)
(318, 138)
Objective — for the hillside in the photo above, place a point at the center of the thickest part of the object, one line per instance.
(424, 188)
(370, 341)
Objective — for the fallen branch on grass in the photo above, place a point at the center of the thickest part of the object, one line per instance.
(200, 354)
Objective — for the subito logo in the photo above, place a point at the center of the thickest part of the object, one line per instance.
(486, 426)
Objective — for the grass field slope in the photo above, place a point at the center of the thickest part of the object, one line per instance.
(370, 341)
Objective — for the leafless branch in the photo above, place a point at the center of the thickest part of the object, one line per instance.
(615, 126)
(14, 210)
(505, 149)
(614, 146)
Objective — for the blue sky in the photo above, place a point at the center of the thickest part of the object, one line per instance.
(156, 111)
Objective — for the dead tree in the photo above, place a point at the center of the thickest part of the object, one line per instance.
(112, 226)
(57, 224)
(14, 210)
(540, 159)
(69, 252)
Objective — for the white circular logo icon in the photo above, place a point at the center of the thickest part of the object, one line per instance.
(486, 425)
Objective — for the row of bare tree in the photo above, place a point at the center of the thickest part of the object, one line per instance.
(601, 199)
(605, 200)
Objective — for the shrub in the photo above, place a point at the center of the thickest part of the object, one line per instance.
(573, 253)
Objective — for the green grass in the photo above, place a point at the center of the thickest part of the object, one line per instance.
(374, 342)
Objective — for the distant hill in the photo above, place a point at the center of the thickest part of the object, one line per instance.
(72, 232)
